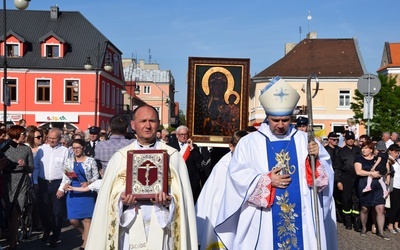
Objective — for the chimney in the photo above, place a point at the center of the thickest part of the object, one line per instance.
(289, 47)
(54, 12)
(312, 35)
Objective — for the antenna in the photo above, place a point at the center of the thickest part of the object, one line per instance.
(149, 56)
(300, 32)
(309, 17)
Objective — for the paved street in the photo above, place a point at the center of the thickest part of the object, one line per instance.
(348, 239)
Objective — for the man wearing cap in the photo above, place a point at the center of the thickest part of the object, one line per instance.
(332, 148)
(347, 181)
(93, 139)
(267, 202)
(302, 123)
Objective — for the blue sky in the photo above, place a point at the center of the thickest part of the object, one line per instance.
(174, 30)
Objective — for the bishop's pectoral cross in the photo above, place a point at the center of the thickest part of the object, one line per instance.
(147, 174)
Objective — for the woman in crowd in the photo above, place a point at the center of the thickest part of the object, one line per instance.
(80, 171)
(17, 181)
(373, 198)
(34, 140)
(65, 141)
(394, 214)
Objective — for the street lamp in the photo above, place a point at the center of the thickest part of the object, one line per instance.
(21, 5)
(107, 67)
(166, 103)
(131, 97)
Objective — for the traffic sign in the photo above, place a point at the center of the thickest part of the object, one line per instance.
(369, 85)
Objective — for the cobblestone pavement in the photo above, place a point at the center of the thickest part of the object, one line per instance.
(348, 239)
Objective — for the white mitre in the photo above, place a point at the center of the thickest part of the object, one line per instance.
(279, 98)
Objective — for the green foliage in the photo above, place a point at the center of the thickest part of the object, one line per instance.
(182, 118)
(386, 107)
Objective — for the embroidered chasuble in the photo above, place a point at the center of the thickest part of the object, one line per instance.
(286, 210)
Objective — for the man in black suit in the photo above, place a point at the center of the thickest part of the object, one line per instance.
(191, 154)
(94, 138)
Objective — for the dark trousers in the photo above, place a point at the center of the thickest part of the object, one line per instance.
(51, 209)
(350, 201)
(394, 214)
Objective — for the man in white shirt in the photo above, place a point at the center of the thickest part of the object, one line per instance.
(47, 175)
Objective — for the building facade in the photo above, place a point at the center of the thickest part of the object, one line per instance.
(47, 83)
(337, 63)
(153, 86)
(390, 64)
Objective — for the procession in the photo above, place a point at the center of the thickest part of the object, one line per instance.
(226, 144)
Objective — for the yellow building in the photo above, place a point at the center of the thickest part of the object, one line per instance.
(338, 65)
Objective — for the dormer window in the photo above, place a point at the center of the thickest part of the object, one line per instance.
(12, 50)
(52, 51)
(53, 46)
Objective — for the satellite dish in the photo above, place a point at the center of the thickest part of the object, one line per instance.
(369, 85)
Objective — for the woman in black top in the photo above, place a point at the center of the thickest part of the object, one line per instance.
(363, 165)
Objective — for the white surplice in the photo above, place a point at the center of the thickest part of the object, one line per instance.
(241, 226)
(113, 228)
(209, 202)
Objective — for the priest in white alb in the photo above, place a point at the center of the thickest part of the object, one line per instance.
(122, 222)
(268, 201)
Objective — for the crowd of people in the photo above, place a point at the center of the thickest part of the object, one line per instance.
(214, 198)
(263, 192)
(366, 177)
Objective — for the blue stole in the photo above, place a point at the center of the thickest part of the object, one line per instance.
(286, 210)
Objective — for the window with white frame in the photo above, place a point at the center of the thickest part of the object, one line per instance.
(158, 111)
(72, 91)
(52, 50)
(344, 98)
(116, 64)
(13, 50)
(108, 95)
(113, 97)
(42, 90)
(146, 90)
(12, 85)
(103, 93)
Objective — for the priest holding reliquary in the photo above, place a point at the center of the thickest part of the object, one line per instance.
(145, 200)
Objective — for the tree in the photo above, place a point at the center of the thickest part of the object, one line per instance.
(182, 118)
(386, 105)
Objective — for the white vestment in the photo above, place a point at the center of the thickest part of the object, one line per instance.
(113, 228)
(209, 202)
(241, 226)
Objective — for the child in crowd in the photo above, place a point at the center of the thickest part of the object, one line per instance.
(382, 167)
(95, 186)
(351, 125)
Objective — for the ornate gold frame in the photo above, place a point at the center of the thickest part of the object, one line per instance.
(213, 116)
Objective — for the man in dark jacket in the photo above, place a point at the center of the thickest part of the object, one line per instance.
(347, 181)
(333, 149)
(94, 138)
(191, 154)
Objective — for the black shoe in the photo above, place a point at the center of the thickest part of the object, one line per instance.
(46, 236)
(357, 224)
(347, 222)
(384, 237)
(53, 244)
(363, 232)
